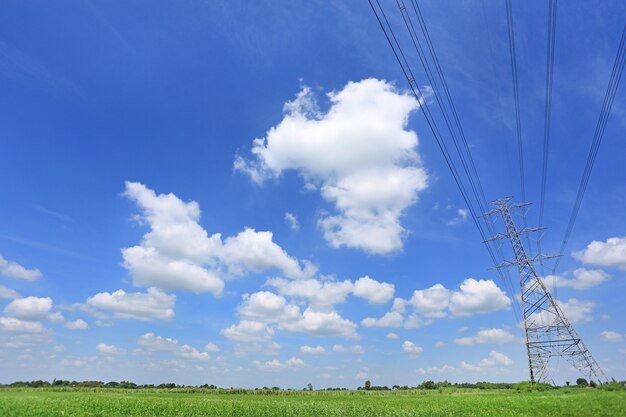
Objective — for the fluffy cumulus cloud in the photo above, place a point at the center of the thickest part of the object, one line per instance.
(472, 297)
(577, 311)
(6, 292)
(321, 295)
(487, 336)
(431, 302)
(274, 364)
(611, 253)
(476, 297)
(249, 331)
(583, 279)
(153, 343)
(33, 309)
(77, 325)
(109, 350)
(373, 291)
(178, 254)
(13, 325)
(14, 270)
(322, 323)
(390, 319)
(494, 359)
(268, 307)
(359, 156)
(153, 304)
(411, 348)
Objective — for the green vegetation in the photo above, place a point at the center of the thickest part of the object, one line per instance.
(74, 401)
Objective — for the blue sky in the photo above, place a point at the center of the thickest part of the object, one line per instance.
(145, 235)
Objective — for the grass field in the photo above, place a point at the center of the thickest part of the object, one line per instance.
(480, 403)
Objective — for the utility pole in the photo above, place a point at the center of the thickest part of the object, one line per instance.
(548, 332)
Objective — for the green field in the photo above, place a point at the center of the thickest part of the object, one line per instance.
(449, 402)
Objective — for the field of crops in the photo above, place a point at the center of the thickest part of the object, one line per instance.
(453, 402)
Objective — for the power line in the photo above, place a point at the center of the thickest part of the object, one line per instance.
(547, 113)
(518, 122)
(614, 80)
(472, 172)
(406, 69)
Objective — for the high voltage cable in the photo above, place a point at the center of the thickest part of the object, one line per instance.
(406, 70)
(518, 122)
(614, 80)
(547, 113)
(473, 176)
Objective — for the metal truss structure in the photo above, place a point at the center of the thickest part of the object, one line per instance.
(548, 332)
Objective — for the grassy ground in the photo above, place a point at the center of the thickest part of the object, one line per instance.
(450, 402)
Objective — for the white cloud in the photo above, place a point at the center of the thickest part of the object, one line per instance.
(390, 319)
(267, 307)
(411, 348)
(492, 335)
(293, 361)
(609, 336)
(313, 350)
(292, 221)
(109, 349)
(476, 297)
(14, 270)
(392, 336)
(494, 359)
(440, 344)
(358, 349)
(77, 325)
(320, 295)
(8, 293)
(248, 331)
(358, 155)
(178, 254)
(211, 347)
(256, 251)
(33, 309)
(154, 304)
(322, 323)
(276, 364)
(577, 311)
(13, 325)
(611, 253)
(436, 370)
(154, 343)
(415, 322)
(273, 364)
(431, 302)
(188, 352)
(373, 291)
(583, 279)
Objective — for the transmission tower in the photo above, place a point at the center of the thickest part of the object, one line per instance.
(548, 332)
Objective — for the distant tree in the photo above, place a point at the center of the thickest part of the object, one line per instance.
(427, 385)
(567, 383)
(309, 386)
(582, 382)
(368, 385)
(592, 384)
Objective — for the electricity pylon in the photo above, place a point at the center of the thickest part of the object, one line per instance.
(548, 332)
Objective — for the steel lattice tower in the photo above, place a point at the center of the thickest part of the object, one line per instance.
(548, 332)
